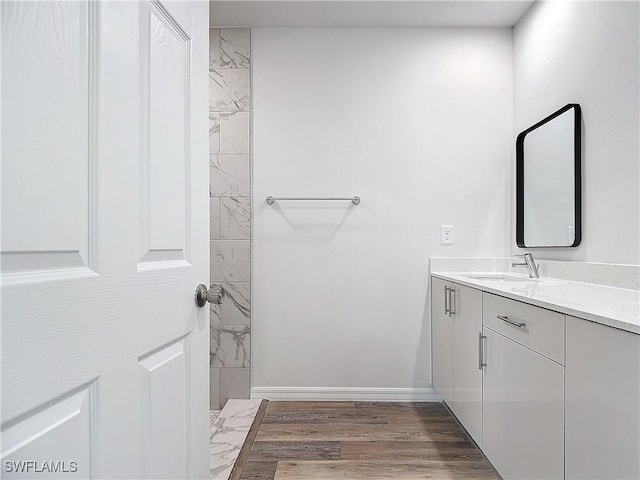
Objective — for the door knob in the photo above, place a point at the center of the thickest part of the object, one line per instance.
(211, 295)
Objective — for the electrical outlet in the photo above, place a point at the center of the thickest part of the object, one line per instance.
(446, 234)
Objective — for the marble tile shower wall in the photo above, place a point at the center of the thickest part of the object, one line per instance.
(230, 211)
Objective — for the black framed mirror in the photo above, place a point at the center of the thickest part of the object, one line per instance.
(548, 181)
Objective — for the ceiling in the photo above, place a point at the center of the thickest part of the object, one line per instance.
(366, 13)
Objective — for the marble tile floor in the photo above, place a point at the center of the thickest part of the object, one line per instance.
(228, 429)
(213, 414)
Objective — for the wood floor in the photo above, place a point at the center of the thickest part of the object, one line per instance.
(359, 440)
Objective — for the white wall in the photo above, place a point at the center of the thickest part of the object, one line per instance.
(418, 122)
(587, 53)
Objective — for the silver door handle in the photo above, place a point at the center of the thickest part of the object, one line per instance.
(452, 301)
(504, 318)
(481, 362)
(447, 310)
(211, 295)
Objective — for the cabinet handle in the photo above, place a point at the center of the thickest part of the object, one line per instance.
(447, 311)
(504, 318)
(481, 362)
(452, 301)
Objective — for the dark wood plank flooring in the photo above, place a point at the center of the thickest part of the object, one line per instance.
(361, 440)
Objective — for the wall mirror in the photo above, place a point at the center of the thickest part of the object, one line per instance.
(548, 193)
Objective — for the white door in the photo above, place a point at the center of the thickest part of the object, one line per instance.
(104, 239)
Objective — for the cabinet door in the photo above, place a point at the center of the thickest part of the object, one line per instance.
(467, 375)
(441, 341)
(523, 422)
(603, 402)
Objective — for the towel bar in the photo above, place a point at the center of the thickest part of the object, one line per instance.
(355, 199)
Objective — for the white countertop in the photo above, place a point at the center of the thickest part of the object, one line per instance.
(615, 307)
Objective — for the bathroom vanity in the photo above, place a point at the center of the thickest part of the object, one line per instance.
(544, 374)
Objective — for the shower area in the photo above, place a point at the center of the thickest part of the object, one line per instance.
(230, 212)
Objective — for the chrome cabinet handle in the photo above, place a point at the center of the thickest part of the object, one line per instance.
(481, 362)
(504, 318)
(452, 301)
(446, 301)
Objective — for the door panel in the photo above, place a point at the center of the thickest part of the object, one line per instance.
(523, 400)
(164, 151)
(441, 342)
(45, 101)
(467, 376)
(59, 432)
(164, 397)
(602, 424)
(102, 253)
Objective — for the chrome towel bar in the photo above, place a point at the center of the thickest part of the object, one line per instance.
(355, 199)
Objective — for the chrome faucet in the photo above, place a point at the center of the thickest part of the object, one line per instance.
(530, 263)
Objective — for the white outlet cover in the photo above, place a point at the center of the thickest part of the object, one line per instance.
(446, 234)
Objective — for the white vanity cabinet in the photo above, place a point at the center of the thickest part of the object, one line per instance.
(523, 389)
(602, 424)
(456, 313)
(544, 394)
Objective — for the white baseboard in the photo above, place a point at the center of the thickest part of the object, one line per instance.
(349, 394)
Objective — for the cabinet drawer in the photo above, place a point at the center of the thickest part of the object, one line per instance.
(543, 330)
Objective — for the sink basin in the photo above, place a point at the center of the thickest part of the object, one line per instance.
(500, 277)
